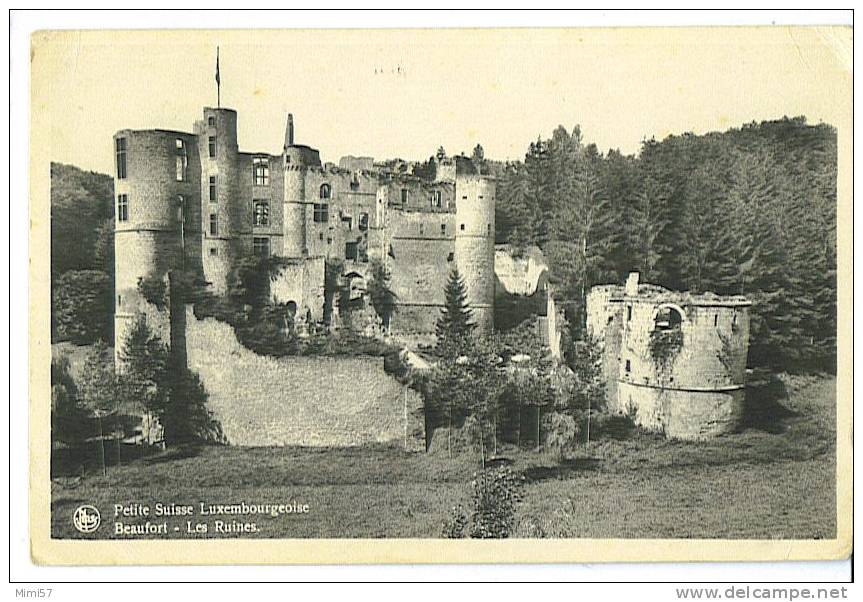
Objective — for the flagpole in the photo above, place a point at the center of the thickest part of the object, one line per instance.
(218, 82)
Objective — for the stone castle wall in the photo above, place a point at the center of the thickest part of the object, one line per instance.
(420, 258)
(273, 194)
(712, 355)
(308, 401)
(419, 229)
(691, 388)
(301, 282)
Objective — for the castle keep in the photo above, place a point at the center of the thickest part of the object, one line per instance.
(194, 201)
(673, 361)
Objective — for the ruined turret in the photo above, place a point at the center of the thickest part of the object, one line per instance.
(674, 361)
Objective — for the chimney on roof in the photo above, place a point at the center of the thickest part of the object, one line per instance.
(289, 131)
(632, 284)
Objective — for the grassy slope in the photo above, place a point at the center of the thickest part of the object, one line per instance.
(749, 485)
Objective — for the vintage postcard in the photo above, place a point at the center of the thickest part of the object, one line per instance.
(440, 295)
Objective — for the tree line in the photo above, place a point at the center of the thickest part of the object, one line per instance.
(82, 255)
(748, 211)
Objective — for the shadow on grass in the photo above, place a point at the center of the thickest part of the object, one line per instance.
(75, 462)
(763, 409)
(564, 470)
(178, 453)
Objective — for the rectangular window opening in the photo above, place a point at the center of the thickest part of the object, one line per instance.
(214, 225)
(261, 246)
(321, 213)
(122, 208)
(213, 192)
(261, 213)
(211, 146)
(261, 170)
(121, 158)
(181, 159)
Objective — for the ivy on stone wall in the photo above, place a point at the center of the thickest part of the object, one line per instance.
(725, 354)
(664, 347)
(154, 290)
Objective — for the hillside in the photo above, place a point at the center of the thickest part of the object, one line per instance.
(81, 219)
(748, 211)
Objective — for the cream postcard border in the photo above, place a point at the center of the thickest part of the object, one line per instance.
(44, 550)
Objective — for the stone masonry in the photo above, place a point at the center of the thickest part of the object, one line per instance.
(308, 401)
(675, 362)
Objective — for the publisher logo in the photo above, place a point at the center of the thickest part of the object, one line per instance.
(86, 518)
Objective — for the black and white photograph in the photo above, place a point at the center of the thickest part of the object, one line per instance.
(543, 285)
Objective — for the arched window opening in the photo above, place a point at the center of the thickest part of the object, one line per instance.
(326, 191)
(667, 318)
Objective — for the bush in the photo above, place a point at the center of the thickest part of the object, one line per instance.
(454, 527)
(588, 388)
(69, 419)
(382, 297)
(494, 497)
(562, 432)
(173, 393)
(83, 306)
(269, 332)
(611, 426)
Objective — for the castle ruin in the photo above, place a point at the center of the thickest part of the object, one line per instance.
(194, 201)
(675, 362)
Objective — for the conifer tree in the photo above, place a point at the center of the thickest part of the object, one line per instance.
(517, 217)
(456, 320)
(145, 362)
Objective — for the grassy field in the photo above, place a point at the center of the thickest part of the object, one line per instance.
(753, 484)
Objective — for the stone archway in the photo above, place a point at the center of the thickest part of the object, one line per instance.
(668, 316)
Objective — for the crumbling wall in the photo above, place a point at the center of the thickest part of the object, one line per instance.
(301, 281)
(420, 259)
(309, 401)
(684, 379)
(689, 390)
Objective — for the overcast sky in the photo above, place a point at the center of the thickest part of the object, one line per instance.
(404, 93)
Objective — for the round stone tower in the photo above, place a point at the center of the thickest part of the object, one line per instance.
(474, 244)
(222, 208)
(298, 159)
(156, 187)
(680, 360)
